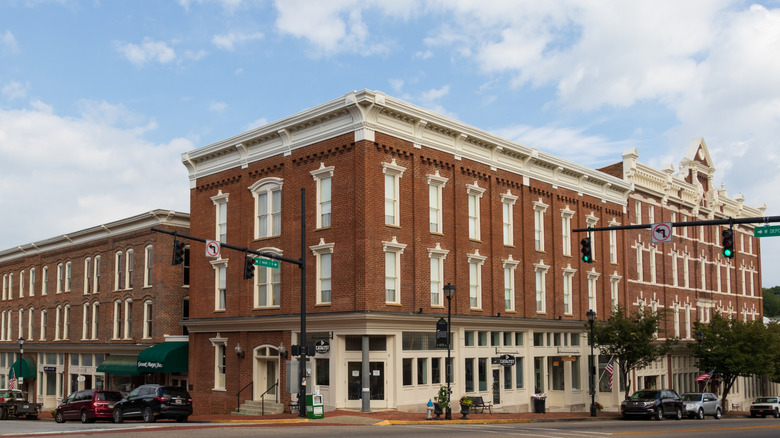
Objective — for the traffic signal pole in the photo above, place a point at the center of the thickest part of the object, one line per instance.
(730, 221)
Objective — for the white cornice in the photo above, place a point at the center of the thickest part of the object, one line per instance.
(111, 229)
(366, 112)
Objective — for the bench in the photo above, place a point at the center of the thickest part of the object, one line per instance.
(481, 404)
(294, 406)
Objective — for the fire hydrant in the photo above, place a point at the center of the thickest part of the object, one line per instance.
(430, 410)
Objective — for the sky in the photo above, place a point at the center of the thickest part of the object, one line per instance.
(99, 98)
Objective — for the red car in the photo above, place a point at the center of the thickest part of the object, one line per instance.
(88, 406)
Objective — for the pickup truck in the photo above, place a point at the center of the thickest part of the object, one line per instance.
(13, 404)
(765, 405)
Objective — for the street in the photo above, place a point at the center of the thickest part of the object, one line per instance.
(745, 427)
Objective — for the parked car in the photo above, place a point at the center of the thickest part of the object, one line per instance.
(653, 403)
(13, 404)
(765, 405)
(699, 404)
(150, 402)
(87, 405)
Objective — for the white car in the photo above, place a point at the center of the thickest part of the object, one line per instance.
(699, 404)
(764, 406)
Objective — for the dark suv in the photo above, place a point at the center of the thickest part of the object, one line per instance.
(653, 403)
(150, 402)
(87, 405)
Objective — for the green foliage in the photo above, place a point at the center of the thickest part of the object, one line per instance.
(736, 348)
(466, 401)
(632, 339)
(772, 301)
(444, 398)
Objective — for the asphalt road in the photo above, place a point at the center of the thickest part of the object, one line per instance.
(709, 428)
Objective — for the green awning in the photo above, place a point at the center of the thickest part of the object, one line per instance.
(122, 365)
(168, 357)
(28, 368)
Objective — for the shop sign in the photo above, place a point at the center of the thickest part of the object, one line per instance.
(322, 346)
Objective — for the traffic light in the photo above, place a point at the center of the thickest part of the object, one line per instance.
(728, 243)
(249, 268)
(587, 254)
(178, 252)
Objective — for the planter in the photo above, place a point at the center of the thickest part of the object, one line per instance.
(464, 410)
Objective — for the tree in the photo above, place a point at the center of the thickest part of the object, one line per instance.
(771, 301)
(632, 339)
(736, 348)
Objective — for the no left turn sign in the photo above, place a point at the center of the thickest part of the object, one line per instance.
(661, 233)
(212, 248)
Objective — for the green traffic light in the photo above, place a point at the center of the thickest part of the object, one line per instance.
(727, 252)
(586, 259)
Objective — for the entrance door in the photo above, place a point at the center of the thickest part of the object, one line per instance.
(497, 386)
(376, 380)
(49, 386)
(265, 378)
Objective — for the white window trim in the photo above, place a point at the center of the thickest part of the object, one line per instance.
(148, 265)
(118, 269)
(68, 276)
(540, 208)
(508, 200)
(42, 336)
(266, 186)
(30, 317)
(85, 321)
(476, 191)
(95, 319)
(568, 289)
(590, 222)
(216, 265)
(220, 200)
(398, 249)
(397, 172)
(269, 272)
(438, 183)
(128, 319)
(614, 289)
(148, 319)
(440, 255)
(510, 264)
(60, 276)
(318, 175)
(540, 289)
(45, 281)
(318, 250)
(220, 376)
(566, 217)
(87, 274)
(117, 318)
(477, 260)
(593, 278)
(129, 267)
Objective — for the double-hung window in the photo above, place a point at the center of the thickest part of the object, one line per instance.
(507, 213)
(393, 173)
(87, 275)
(568, 290)
(540, 271)
(148, 266)
(393, 251)
(220, 362)
(220, 283)
(323, 252)
(475, 279)
(436, 185)
(436, 257)
(119, 270)
(474, 195)
(592, 283)
(566, 216)
(130, 254)
(510, 266)
(220, 201)
(324, 179)
(268, 283)
(267, 193)
(148, 319)
(614, 283)
(539, 209)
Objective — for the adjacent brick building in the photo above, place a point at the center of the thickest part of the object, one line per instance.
(88, 302)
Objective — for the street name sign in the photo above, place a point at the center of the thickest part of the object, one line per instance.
(768, 231)
(267, 263)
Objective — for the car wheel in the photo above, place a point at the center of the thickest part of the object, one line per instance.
(678, 413)
(118, 418)
(718, 414)
(148, 415)
(776, 413)
(659, 414)
(58, 417)
(181, 419)
(3, 414)
(752, 415)
(84, 417)
(700, 414)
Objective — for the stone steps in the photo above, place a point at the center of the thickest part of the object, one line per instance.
(255, 407)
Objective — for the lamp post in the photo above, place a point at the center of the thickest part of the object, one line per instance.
(449, 292)
(591, 318)
(699, 338)
(21, 353)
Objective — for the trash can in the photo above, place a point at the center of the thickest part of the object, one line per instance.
(314, 406)
(538, 401)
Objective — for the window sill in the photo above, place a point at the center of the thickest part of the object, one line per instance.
(323, 304)
(392, 304)
(476, 309)
(219, 389)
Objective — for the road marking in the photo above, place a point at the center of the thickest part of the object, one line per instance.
(641, 432)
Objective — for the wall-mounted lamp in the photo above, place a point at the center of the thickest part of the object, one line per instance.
(239, 351)
(420, 310)
(498, 314)
(283, 351)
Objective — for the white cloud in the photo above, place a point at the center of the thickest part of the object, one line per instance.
(218, 106)
(8, 43)
(88, 171)
(255, 124)
(229, 40)
(148, 51)
(15, 90)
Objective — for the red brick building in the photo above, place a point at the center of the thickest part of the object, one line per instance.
(88, 303)
(689, 276)
(399, 201)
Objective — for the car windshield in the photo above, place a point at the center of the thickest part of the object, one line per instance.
(691, 397)
(642, 395)
(766, 400)
(109, 396)
(176, 392)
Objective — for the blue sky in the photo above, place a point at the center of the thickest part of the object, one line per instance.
(98, 99)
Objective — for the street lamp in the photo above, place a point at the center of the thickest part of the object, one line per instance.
(592, 317)
(449, 292)
(21, 353)
(699, 338)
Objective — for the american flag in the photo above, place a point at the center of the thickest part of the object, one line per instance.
(610, 371)
(12, 381)
(706, 376)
